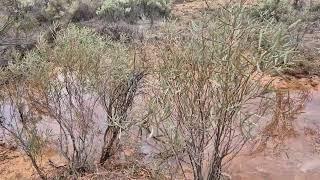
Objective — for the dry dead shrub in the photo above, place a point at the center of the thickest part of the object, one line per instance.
(285, 107)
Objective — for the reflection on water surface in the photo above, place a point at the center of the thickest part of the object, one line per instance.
(288, 144)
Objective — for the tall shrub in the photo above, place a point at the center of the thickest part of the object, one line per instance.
(206, 80)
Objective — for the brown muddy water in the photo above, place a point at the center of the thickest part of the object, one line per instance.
(288, 144)
(285, 143)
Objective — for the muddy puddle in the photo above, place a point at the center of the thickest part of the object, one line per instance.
(288, 144)
(285, 143)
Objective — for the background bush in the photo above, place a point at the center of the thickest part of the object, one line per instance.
(133, 10)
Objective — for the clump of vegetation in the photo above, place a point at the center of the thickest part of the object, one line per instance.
(133, 10)
(301, 18)
(202, 84)
(205, 83)
(276, 9)
(82, 77)
(281, 10)
(56, 10)
(22, 22)
(74, 10)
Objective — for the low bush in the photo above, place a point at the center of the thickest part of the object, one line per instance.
(59, 10)
(84, 84)
(133, 10)
(70, 10)
(276, 9)
(298, 18)
(284, 11)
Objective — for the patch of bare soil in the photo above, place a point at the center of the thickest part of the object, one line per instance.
(15, 165)
(288, 82)
(188, 10)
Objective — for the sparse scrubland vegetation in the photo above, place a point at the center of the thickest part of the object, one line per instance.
(134, 10)
(73, 83)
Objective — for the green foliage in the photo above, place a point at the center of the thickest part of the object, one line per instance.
(284, 11)
(294, 20)
(134, 9)
(67, 82)
(203, 81)
(58, 8)
(54, 10)
(275, 43)
(266, 9)
(206, 79)
(78, 50)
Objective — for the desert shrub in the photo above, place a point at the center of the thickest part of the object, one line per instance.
(315, 8)
(299, 19)
(22, 21)
(276, 9)
(205, 82)
(83, 85)
(85, 11)
(15, 28)
(133, 10)
(296, 21)
(18, 120)
(18, 15)
(284, 11)
(74, 10)
(59, 10)
(122, 31)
